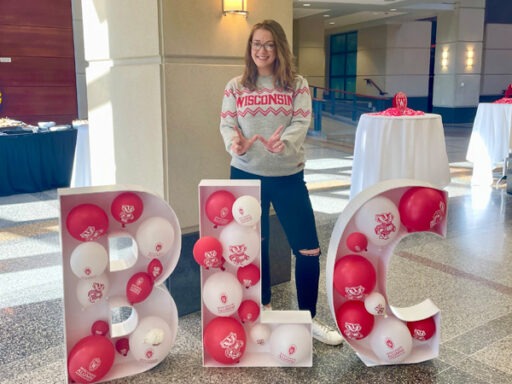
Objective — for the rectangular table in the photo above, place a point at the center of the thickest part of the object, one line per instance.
(490, 140)
(399, 147)
(34, 162)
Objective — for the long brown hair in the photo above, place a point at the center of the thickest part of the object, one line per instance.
(284, 67)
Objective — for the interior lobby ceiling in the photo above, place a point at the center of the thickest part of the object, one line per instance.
(344, 14)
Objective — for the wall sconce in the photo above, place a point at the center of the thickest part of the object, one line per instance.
(469, 58)
(444, 58)
(237, 7)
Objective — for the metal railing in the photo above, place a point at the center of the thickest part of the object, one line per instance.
(339, 103)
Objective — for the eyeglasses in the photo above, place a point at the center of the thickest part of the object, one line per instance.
(256, 45)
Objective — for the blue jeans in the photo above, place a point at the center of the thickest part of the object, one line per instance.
(290, 199)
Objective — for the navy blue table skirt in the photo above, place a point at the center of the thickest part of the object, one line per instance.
(34, 162)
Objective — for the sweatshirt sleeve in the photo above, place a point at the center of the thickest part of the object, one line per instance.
(295, 134)
(228, 115)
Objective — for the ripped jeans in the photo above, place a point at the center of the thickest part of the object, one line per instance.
(290, 199)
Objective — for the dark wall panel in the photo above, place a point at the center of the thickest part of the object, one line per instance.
(37, 72)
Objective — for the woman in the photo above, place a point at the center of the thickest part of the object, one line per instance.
(265, 117)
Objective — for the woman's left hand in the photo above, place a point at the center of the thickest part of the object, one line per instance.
(274, 143)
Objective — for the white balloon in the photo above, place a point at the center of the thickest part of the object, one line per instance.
(379, 220)
(152, 340)
(291, 344)
(155, 237)
(375, 303)
(89, 259)
(246, 210)
(391, 340)
(222, 293)
(240, 244)
(260, 333)
(93, 290)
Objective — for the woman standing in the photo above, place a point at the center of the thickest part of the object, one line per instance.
(265, 117)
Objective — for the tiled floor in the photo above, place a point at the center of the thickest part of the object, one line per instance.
(468, 275)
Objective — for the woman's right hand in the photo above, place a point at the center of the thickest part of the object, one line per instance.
(240, 144)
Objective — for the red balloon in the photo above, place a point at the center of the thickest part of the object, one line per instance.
(353, 320)
(248, 275)
(357, 242)
(224, 340)
(139, 287)
(422, 329)
(354, 277)
(422, 209)
(90, 359)
(100, 327)
(219, 207)
(87, 222)
(249, 310)
(207, 252)
(123, 346)
(155, 268)
(126, 208)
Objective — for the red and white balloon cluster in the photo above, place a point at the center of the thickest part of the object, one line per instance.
(89, 228)
(360, 257)
(230, 258)
(235, 333)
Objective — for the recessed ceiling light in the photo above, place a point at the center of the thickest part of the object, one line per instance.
(392, 9)
(331, 23)
(307, 5)
(326, 15)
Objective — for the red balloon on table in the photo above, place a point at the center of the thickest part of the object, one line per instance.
(248, 275)
(87, 222)
(139, 287)
(354, 277)
(90, 359)
(207, 252)
(353, 320)
(218, 207)
(224, 339)
(126, 208)
(422, 330)
(422, 209)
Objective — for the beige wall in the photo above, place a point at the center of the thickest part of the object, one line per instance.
(156, 70)
(396, 57)
(309, 49)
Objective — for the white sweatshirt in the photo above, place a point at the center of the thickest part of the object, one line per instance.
(261, 112)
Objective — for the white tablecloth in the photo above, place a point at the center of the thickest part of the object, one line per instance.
(490, 140)
(81, 176)
(410, 147)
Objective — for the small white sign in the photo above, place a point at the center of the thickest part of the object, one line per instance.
(5, 59)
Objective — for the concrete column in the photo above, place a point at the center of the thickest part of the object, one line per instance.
(458, 62)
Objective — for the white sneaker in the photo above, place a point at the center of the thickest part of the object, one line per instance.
(325, 334)
(266, 307)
